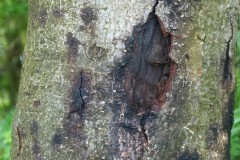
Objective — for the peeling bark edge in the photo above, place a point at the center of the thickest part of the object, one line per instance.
(149, 69)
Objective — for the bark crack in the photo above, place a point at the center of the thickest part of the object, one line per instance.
(154, 7)
(20, 146)
(80, 109)
(143, 121)
(227, 74)
(143, 130)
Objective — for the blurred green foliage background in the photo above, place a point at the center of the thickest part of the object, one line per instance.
(13, 24)
(235, 133)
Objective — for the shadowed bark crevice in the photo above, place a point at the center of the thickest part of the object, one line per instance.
(227, 75)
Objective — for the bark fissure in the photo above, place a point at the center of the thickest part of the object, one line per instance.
(79, 109)
(143, 120)
(227, 74)
(81, 95)
(20, 143)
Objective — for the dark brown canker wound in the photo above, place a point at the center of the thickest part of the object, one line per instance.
(150, 71)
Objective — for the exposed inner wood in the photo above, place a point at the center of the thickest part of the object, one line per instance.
(150, 71)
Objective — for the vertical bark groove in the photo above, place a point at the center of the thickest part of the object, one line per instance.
(227, 74)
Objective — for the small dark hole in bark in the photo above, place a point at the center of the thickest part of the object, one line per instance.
(36, 103)
(57, 139)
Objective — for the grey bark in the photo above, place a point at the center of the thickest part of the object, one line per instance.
(75, 100)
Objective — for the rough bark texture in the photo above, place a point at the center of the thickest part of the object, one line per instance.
(127, 79)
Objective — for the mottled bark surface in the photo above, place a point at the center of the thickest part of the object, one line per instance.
(126, 80)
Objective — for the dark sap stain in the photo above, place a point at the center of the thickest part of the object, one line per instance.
(77, 102)
(73, 46)
(187, 155)
(227, 76)
(149, 69)
(57, 12)
(228, 114)
(212, 135)
(88, 15)
(34, 128)
(36, 103)
(36, 149)
(80, 92)
(34, 132)
(79, 97)
(57, 140)
(228, 121)
(43, 17)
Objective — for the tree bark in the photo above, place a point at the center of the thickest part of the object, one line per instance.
(127, 80)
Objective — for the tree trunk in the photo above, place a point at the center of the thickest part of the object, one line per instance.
(127, 80)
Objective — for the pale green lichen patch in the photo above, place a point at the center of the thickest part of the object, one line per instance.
(206, 50)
